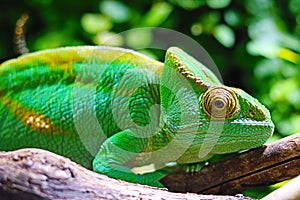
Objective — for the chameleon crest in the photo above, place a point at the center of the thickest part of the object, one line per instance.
(115, 110)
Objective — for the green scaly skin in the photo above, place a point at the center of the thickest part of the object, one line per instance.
(115, 110)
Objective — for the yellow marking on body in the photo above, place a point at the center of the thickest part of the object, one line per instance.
(64, 58)
(40, 122)
(251, 113)
(30, 118)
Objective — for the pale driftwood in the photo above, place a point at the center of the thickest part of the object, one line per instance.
(39, 174)
(272, 163)
(289, 191)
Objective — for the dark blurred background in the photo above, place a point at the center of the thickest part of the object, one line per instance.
(254, 43)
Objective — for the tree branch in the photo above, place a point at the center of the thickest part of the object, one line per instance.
(290, 190)
(270, 164)
(39, 174)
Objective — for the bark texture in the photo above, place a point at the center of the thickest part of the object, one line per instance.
(39, 174)
(267, 165)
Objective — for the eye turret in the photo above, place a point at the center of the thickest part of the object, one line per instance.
(219, 103)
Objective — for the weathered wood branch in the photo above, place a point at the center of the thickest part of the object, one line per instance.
(290, 191)
(272, 163)
(39, 174)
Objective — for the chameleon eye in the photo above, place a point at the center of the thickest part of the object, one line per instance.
(219, 103)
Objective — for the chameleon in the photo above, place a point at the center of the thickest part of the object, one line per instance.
(123, 114)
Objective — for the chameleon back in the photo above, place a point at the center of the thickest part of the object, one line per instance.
(61, 99)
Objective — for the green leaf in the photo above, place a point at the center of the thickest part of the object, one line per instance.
(116, 10)
(138, 38)
(224, 35)
(294, 6)
(259, 29)
(95, 23)
(189, 4)
(263, 48)
(157, 14)
(215, 4)
(196, 29)
(54, 39)
(289, 125)
(233, 18)
(109, 39)
(259, 7)
(283, 89)
(209, 21)
(267, 68)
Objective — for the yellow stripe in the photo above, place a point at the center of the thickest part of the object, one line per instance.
(289, 55)
(31, 118)
(63, 58)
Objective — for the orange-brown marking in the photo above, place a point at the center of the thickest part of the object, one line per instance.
(31, 118)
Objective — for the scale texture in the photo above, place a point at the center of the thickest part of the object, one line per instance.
(115, 110)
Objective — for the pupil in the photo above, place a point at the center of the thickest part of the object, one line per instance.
(219, 104)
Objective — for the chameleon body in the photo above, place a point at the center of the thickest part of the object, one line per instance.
(114, 110)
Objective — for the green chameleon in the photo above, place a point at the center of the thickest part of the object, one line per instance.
(123, 114)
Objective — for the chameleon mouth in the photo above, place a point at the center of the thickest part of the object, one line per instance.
(267, 125)
(251, 122)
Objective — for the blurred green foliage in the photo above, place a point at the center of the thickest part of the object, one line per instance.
(255, 43)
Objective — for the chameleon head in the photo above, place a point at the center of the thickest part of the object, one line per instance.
(228, 119)
(239, 120)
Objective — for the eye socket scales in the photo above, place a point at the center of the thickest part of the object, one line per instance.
(219, 102)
